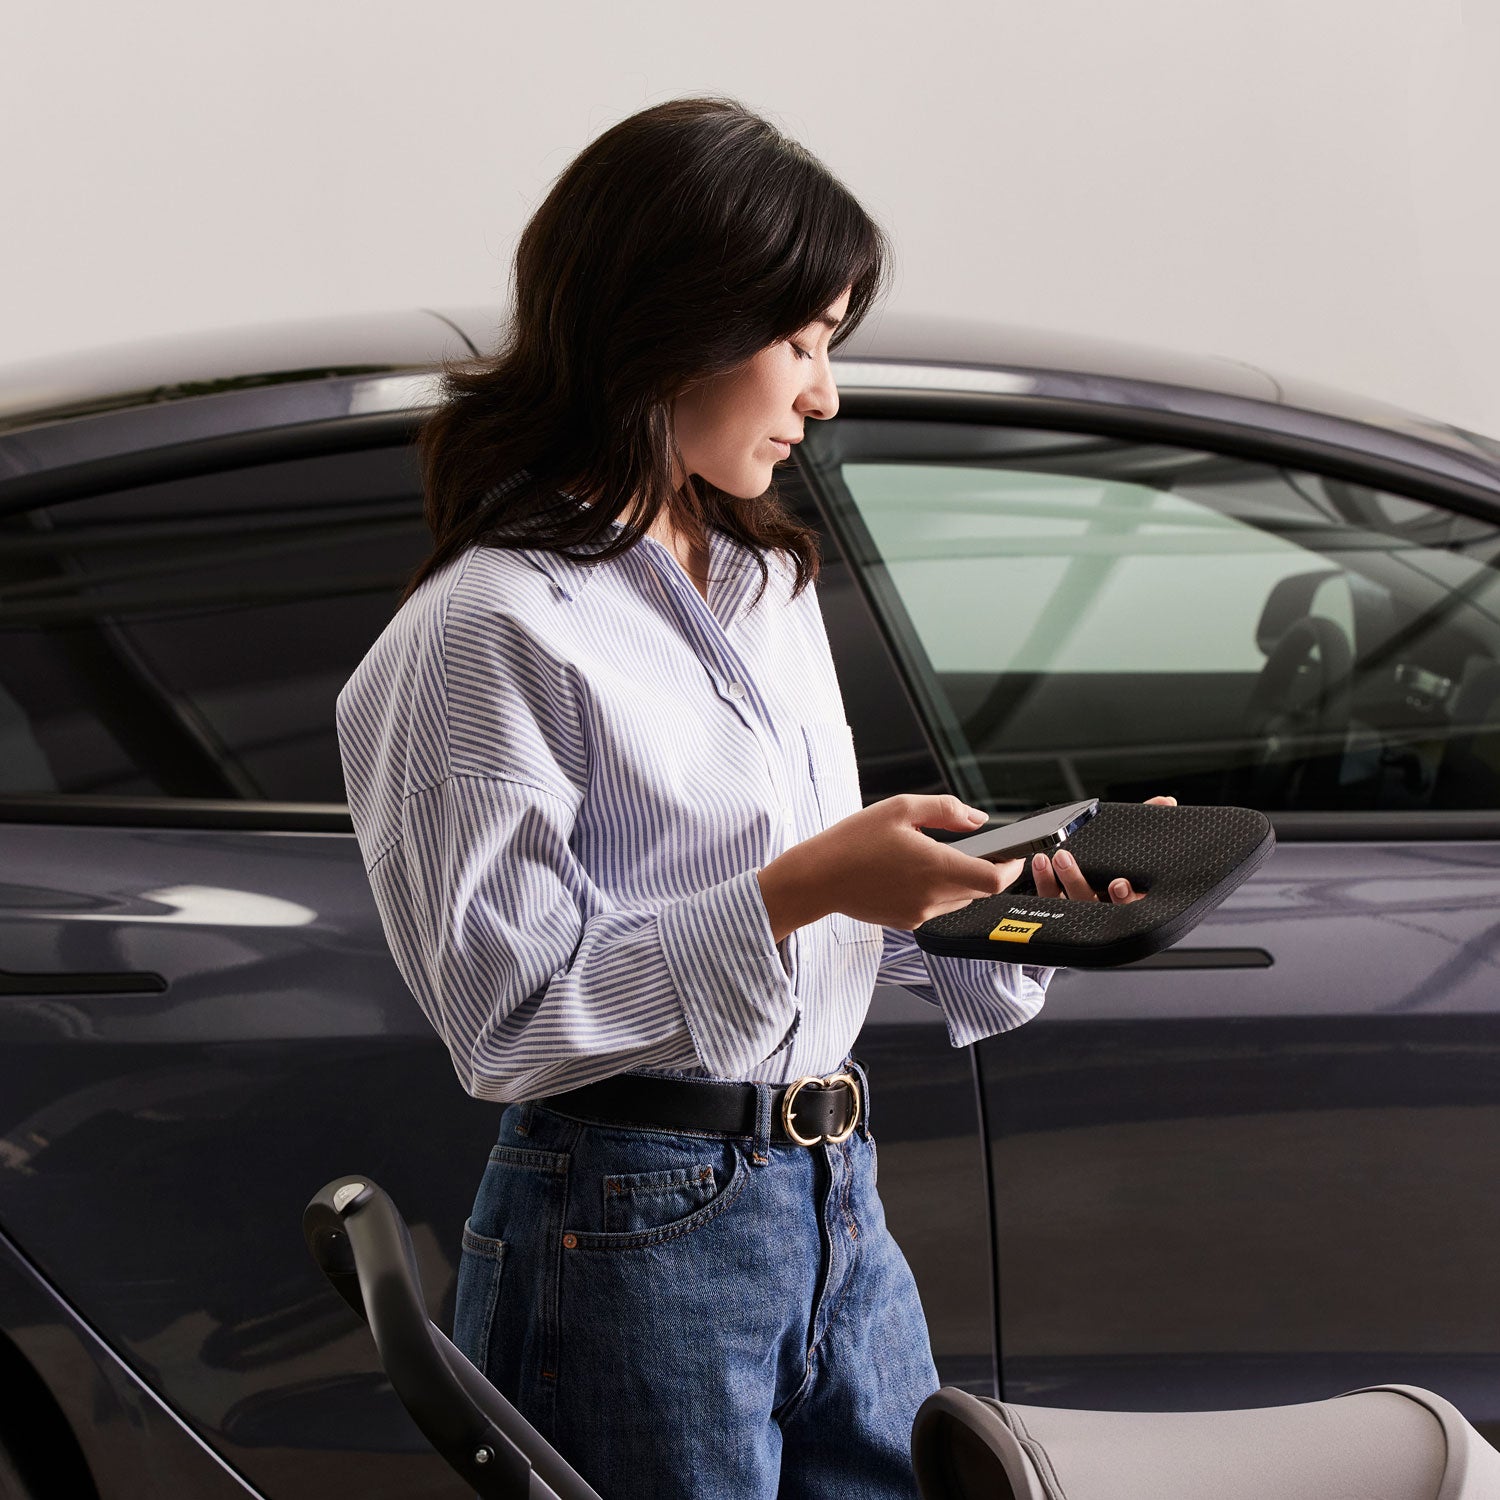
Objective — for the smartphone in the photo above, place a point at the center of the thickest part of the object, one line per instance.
(1039, 834)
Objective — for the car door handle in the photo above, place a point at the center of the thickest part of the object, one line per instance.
(135, 982)
(1204, 958)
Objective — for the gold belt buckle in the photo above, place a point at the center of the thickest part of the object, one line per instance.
(790, 1096)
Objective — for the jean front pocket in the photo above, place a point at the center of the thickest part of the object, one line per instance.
(634, 1201)
(481, 1264)
(651, 1208)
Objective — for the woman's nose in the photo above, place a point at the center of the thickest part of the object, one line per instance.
(820, 398)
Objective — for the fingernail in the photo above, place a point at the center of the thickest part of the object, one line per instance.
(1119, 890)
(975, 816)
(1038, 861)
(1064, 859)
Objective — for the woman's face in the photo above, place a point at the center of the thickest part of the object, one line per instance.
(728, 427)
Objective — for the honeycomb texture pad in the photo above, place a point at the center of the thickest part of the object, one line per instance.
(1185, 859)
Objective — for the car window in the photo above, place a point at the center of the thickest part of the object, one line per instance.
(188, 639)
(1091, 616)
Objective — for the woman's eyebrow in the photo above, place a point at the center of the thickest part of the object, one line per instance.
(826, 321)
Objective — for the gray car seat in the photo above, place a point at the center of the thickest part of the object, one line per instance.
(1390, 1442)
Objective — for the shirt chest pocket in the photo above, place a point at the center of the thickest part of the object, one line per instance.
(834, 772)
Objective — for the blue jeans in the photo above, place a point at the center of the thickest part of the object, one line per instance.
(693, 1315)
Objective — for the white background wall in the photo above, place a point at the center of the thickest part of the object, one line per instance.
(1313, 185)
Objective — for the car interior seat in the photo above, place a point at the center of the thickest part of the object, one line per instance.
(1299, 707)
(1385, 1443)
(1468, 775)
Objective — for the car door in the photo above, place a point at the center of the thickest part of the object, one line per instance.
(1257, 1168)
(200, 1023)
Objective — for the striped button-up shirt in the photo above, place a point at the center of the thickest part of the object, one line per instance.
(564, 777)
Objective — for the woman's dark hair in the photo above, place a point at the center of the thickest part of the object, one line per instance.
(674, 247)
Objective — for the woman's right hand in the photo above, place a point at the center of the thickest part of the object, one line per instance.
(877, 865)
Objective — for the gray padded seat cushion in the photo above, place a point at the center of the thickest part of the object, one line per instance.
(1383, 1443)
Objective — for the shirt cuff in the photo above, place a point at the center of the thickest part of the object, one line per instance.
(981, 997)
(736, 996)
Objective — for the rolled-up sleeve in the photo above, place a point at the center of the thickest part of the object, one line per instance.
(978, 997)
(532, 976)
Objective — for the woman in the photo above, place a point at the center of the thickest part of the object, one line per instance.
(605, 791)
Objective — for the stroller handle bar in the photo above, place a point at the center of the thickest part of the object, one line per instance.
(361, 1244)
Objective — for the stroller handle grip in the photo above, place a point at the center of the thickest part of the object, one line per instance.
(362, 1245)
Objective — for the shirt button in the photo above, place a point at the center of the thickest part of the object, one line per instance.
(733, 690)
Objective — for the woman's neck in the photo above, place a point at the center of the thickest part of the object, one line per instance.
(691, 557)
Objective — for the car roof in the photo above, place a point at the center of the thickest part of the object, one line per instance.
(112, 377)
(150, 372)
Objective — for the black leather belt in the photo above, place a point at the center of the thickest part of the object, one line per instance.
(808, 1112)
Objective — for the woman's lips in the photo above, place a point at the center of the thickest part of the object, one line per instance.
(784, 449)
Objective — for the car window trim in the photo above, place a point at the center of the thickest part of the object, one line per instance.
(241, 450)
(176, 812)
(1232, 438)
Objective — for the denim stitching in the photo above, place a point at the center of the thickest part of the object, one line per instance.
(492, 1250)
(627, 1191)
(849, 1273)
(844, 1209)
(549, 1370)
(521, 1156)
(589, 1239)
(482, 1244)
(760, 1151)
(843, 1293)
(781, 1413)
(857, 1068)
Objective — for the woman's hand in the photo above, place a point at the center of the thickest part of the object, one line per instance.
(878, 866)
(1060, 876)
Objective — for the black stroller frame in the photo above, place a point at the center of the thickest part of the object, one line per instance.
(364, 1248)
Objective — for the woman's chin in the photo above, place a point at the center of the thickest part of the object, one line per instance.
(746, 485)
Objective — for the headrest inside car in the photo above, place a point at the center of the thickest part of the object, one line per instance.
(1291, 600)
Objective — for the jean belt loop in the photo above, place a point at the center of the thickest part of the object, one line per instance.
(864, 1091)
(762, 1150)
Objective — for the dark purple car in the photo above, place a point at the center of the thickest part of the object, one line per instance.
(1258, 1168)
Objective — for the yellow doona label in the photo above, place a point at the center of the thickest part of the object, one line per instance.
(1011, 931)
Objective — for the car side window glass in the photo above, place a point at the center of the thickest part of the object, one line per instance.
(1084, 615)
(188, 638)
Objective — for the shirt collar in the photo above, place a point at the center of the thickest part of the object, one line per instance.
(568, 575)
(573, 576)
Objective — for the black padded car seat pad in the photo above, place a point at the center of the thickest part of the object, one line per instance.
(1391, 1442)
(1185, 859)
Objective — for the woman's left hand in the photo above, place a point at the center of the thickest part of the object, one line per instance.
(1063, 868)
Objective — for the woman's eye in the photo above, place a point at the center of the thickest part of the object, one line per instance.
(800, 351)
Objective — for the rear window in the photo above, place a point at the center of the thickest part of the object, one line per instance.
(188, 639)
